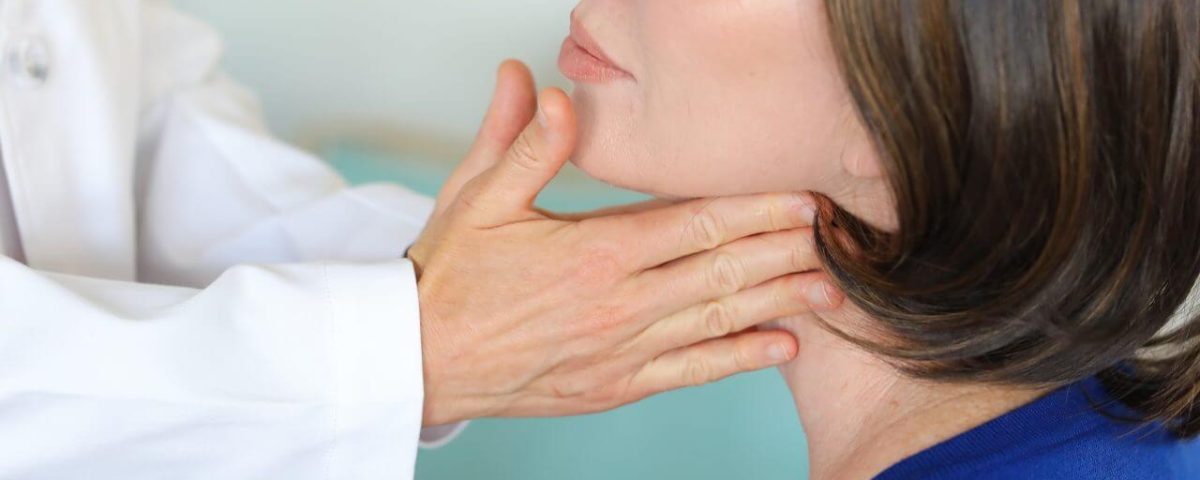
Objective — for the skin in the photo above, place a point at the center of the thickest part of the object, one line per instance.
(526, 313)
(730, 97)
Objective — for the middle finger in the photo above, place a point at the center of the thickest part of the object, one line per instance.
(729, 269)
(782, 297)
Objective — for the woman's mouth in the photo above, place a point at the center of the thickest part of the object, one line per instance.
(582, 60)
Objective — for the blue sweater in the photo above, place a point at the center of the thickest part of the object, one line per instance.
(1060, 436)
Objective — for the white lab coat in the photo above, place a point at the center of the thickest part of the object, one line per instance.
(189, 298)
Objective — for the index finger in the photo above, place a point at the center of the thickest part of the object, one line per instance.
(514, 102)
(662, 235)
(506, 191)
(618, 210)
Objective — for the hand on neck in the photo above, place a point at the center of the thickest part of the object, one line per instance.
(861, 415)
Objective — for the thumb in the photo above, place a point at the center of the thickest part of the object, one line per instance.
(514, 102)
(506, 191)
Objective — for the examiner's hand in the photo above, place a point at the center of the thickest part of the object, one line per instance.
(524, 313)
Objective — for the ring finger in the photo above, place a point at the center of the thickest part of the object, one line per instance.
(781, 297)
(730, 269)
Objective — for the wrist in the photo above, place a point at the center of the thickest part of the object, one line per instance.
(449, 396)
(439, 408)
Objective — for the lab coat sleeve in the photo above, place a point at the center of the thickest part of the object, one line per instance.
(305, 367)
(299, 371)
(217, 190)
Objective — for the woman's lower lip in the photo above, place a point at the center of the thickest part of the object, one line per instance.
(578, 65)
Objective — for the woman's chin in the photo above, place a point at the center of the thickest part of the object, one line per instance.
(647, 188)
(632, 172)
(604, 169)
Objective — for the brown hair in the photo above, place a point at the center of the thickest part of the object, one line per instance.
(1043, 159)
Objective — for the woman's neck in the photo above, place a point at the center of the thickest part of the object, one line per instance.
(861, 416)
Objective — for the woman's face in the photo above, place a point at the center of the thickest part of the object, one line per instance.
(711, 97)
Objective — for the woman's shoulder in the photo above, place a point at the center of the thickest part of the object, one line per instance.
(1115, 449)
(1075, 432)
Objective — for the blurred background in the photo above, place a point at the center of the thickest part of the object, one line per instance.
(393, 90)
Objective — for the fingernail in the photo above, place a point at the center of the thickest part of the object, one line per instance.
(808, 213)
(821, 295)
(805, 210)
(777, 353)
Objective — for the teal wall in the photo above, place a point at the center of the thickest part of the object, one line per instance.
(742, 428)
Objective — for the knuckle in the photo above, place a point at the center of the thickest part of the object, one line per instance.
(474, 197)
(778, 213)
(697, 372)
(605, 397)
(718, 320)
(566, 390)
(802, 256)
(798, 257)
(706, 230)
(472, 200)
(794, 292)
(742, 361)
(727, 275)
(523, 153)
(601, 262)
(790, 296)
(606, 318)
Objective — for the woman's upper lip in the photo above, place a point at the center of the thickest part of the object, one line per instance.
(589, 44)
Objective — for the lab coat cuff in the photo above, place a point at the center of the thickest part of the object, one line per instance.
(377, 373)
(439, 436)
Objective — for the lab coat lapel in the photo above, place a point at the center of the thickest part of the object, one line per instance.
(68, 129)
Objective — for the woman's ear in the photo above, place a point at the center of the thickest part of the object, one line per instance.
(861, 160)
(867, 195)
